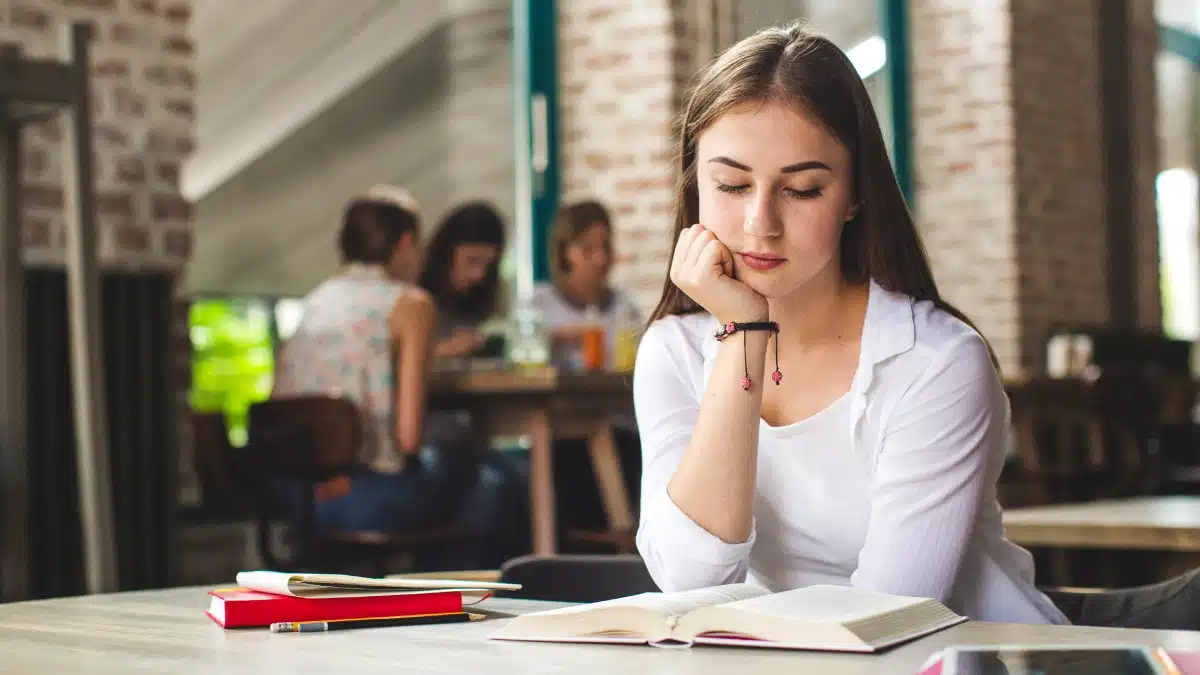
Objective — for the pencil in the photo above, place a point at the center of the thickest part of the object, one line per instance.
(381, 622)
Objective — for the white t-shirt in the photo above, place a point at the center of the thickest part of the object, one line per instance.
(892, 488)
(557, 312)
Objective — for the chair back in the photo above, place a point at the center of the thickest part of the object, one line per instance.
(210, 451)
(303, 440)
(577, 578)
(305, 437)
(1079, 440)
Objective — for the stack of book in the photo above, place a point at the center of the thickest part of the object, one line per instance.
(262, 598)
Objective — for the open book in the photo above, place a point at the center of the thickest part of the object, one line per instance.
(835, 618)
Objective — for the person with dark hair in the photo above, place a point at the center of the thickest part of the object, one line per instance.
(462, 274)
(579, 295)
(812, 411)
(366, 334)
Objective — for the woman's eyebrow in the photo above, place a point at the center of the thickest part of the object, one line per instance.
(791, 168)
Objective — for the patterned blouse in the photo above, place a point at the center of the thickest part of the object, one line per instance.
(343, 347)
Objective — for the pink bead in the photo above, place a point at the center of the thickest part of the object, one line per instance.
(729, 327)
(777, 376)
(746, 383)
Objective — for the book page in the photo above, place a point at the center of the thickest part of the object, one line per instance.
(672, 604)
(824, 604)
(305, 585)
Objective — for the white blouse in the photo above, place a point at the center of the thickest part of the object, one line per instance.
(891, 489)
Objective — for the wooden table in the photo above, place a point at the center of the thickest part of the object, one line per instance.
(542, 404)
(1110, 543)
(167, 632)
(1149, 523)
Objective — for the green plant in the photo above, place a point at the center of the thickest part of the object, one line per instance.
(232, 359)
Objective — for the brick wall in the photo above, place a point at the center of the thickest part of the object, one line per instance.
(964, 158)
(143, 116)
(143, 119)
(618, 92)
(623, 69)
(1008, 150)
(1061, 226)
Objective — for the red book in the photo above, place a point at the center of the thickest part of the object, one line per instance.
(245, 608)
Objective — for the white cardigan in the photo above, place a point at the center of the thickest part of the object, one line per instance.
(928, 420)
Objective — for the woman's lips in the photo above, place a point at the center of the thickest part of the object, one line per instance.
(761, 261)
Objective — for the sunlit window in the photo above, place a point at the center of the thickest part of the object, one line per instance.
(1178, 243)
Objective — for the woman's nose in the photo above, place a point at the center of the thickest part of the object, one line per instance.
(761, 219)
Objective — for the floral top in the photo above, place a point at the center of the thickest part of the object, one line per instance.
(343, 347)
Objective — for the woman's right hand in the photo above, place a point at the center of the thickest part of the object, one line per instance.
(702, 267)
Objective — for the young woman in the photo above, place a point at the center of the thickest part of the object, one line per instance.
(850, 428)
(462, 273)
(366, 333)
(579, 295)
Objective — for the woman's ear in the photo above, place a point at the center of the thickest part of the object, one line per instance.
(852, 212)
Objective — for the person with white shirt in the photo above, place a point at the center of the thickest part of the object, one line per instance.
(811, 410)
(580, 295)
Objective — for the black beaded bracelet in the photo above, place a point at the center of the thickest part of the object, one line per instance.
(735, 327)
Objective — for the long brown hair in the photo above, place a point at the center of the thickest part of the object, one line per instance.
(474, 222)
(790, 64)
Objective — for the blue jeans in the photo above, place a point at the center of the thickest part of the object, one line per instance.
(479, 493)
(429, 491)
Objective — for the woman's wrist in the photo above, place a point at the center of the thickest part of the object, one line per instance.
(746, 316)
(753, 348)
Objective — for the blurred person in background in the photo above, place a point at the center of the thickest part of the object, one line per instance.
(579, 295)
(579, 298)
(366, 334)
(462, 274)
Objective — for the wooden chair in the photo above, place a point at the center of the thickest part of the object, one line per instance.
(310, 440)
(1080, 440)
(212, 459)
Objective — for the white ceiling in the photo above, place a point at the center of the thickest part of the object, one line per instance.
(301, 104)
(265, 67)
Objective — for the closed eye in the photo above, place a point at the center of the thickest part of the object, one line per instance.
(804, 194)
(732, 189)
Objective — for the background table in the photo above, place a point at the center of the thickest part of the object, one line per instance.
(1152, 523)
(543, 404)
(167, 632)
(1113, 542)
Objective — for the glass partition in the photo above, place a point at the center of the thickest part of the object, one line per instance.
(1177, 193)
